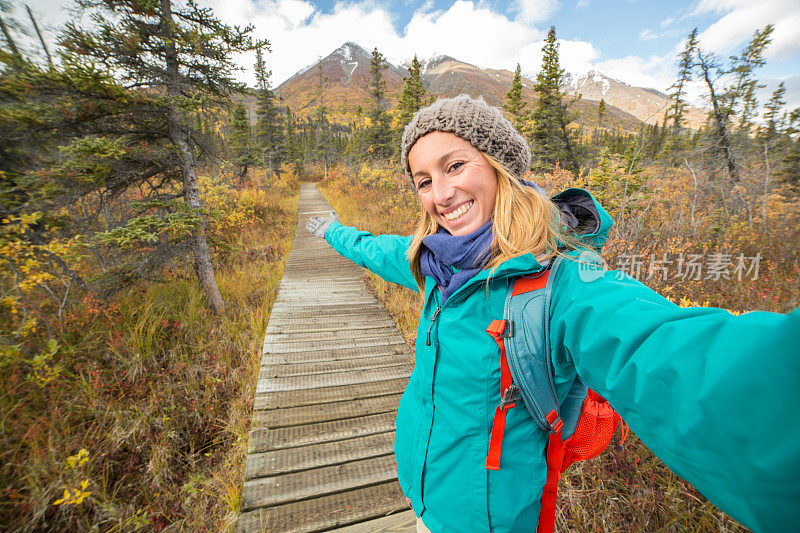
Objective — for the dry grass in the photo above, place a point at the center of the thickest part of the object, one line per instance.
(627, 488)
(156, 389)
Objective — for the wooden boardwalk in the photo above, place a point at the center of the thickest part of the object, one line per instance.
(333, 369)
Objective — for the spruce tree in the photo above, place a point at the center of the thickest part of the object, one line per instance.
(771, 137)
(552, 140)
(320, 125)
(292, 144)
(515, 105)
(412, 96)
(742, 93)
(240, 140)
(678, 94)
(772, 113)
(601, 112)
(178, 60)
(379, 135)
(790, 171)
(269, 125)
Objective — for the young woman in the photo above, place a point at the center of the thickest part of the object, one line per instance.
(711, 394)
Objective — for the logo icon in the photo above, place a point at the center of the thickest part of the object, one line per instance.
(591, 266)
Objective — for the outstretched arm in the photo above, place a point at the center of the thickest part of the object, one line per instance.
(713, 395)
(384, 255)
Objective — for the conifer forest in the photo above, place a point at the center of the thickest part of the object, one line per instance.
(148, 201)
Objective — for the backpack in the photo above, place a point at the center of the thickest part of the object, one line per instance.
(581, 426)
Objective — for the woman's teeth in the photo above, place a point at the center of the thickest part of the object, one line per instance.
(458, 212)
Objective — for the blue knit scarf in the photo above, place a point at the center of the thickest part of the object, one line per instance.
(467, 253)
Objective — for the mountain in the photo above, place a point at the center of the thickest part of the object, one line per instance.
(346, 87)
(648, 105)
(446, 76)
(346, 80)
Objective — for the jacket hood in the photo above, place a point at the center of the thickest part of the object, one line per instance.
(587, 218)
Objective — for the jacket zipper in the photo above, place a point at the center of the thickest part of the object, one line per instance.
(433, 321)
(435, 315)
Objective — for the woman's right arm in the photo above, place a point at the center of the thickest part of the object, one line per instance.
(713, 395)
(384, 255)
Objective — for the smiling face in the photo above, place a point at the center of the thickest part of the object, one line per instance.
(456, 184)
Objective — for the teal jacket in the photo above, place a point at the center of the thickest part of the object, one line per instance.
(713, 395)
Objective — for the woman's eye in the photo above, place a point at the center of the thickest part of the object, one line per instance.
(455, 166)
(423, 184)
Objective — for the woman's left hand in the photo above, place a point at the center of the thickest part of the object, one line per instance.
(318, 225)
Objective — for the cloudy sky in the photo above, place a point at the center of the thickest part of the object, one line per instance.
(635, 41)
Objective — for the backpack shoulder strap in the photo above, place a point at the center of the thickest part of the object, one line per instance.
(528, 344)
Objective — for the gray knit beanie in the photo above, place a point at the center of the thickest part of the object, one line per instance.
(473, 120)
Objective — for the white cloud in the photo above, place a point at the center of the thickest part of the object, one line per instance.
(642, 72)
(583, 3)
(533, 11)
(666, 22)
(740, 18)
(648, 35)
(575, 56)
(469, 31)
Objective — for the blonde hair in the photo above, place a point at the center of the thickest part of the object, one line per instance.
(524, 222)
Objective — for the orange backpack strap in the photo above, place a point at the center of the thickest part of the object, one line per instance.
(509, 393)
(555, 460)
(499, 329)
(523, 285)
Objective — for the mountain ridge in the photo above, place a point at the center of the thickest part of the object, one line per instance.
(346, 88)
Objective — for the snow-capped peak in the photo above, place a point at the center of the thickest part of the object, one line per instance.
(430, 62)
(350, 49)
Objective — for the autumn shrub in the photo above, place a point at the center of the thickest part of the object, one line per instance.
(667, 216)
(136, 413)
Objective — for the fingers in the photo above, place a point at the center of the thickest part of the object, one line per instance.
(313, 224)
(318, 225)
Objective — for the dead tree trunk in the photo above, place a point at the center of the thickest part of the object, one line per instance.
(9, 39)
(41, 39)
(180, 139)
(719, 120)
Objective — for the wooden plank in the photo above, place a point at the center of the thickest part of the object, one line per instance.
(290, 335)
(336, 344)
(327, 512)
(280, 400)
(322, 367)
(295, 486)
(323, 311)
(327, 412)
(371, 305)
(309, 325)
(405, 522)
(336, 379)
(307, 457)
(336, 354)
(306, 292)
(350, 283)
(317, 301)
(264, 440)
(333, 319)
